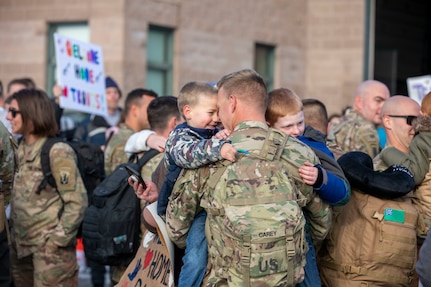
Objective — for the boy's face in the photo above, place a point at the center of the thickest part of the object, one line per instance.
(292, 125)
(203, 115)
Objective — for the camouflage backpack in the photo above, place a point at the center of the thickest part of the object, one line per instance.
(255, 214)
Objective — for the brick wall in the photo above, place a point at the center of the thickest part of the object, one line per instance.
(319, 44)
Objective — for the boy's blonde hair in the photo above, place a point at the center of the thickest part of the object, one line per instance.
(426, 104)
(282, 102)
(192, 91)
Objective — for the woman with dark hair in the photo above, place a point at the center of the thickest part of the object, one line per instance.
(44, 222)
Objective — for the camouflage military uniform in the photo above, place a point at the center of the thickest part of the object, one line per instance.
(379, 163)
(114, 152)
(204, 188)
(8, 164)
(187, 147)
(354, 133)
(151, 165)
(114, 156)
(45, 224)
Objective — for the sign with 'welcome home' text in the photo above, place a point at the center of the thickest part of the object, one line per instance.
(81, 75)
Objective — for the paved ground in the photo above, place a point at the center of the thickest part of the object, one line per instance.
(84, 278)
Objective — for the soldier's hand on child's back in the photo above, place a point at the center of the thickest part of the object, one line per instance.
(228, 152)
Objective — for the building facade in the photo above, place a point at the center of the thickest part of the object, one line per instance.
(317, 48)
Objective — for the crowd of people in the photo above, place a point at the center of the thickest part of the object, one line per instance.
(256, 187)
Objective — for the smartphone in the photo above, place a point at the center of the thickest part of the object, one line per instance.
(134, 174)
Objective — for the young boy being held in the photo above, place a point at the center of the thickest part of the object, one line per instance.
(417, 161)
(192, 144)
(285, 112)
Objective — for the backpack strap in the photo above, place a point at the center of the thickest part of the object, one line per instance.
(272, 149)
(274, 144)
(351, 269)
(45, 162)
(146, 157)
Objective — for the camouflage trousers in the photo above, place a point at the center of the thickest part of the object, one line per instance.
(47, 266)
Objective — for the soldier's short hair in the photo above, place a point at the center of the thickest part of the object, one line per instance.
(282, 102)
(37, 112)
(191, 92)
(315, 114)
(247, 85)
(134, 97)
(161, 110)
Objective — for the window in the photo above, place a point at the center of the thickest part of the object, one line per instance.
(77, 31)
(159, 60)
(264, 63)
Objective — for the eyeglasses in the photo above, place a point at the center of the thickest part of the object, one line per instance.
(409, 119)
(14, 112)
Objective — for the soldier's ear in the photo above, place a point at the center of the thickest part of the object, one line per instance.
(232, 102)
(386, 122)
(172, 123)
(358, 103)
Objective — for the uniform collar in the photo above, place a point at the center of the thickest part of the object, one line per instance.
(30, 152)
(251, 124)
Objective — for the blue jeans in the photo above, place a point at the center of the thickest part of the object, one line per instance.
(312, 277)
(196, 255)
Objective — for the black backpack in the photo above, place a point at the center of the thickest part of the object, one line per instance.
(90, 163)
(111, 226)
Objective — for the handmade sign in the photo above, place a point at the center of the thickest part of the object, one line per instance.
(153, 263)
(418, 87)
(80, 74)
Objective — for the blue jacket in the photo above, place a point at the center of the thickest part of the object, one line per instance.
(333, 187)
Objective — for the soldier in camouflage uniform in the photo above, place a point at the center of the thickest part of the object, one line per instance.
(44, 224)
(193, 144)
(399, 135)
(163, 117)
(8, 165)
(272, 160)
(356, 130)
(135, 119)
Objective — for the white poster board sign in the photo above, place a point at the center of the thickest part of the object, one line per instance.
(81, 75)
(418, 87)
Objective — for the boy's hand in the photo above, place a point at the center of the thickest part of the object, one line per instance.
(156, 142)
(308, 173)
(228, 152)
(223, 134)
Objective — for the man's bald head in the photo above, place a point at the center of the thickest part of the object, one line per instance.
(397, 113)
(369, 98)
(397, 105)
